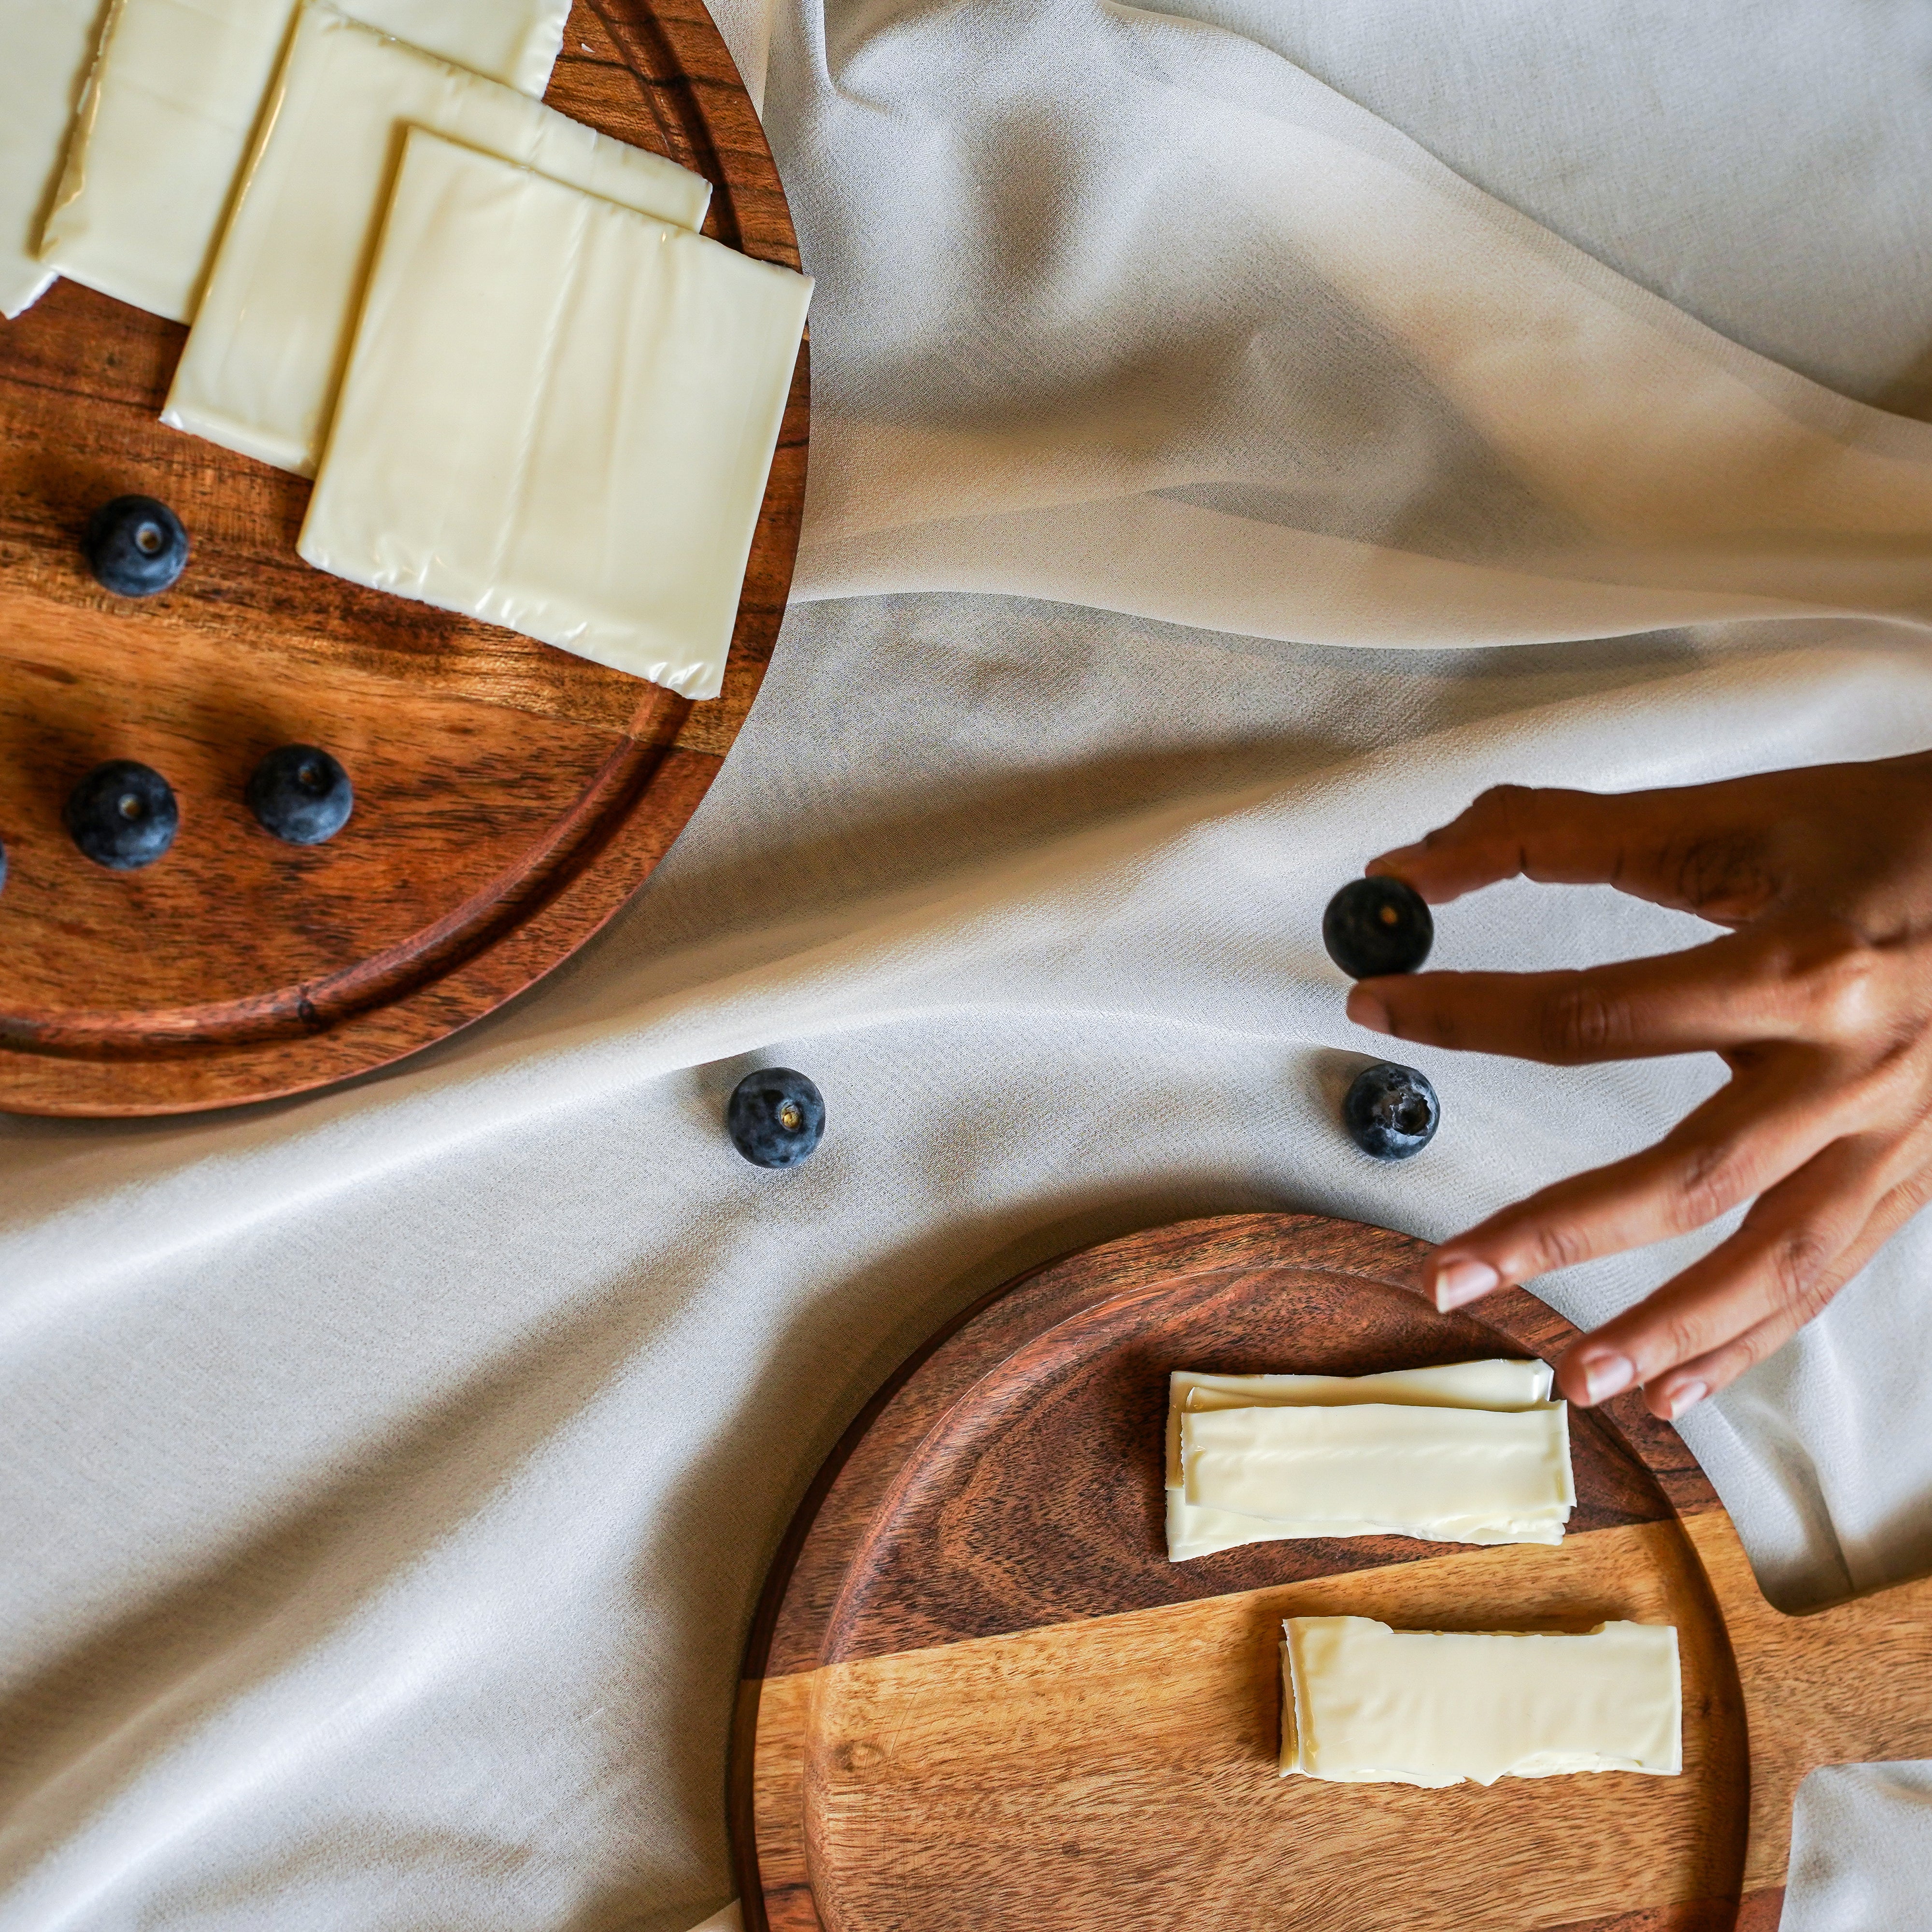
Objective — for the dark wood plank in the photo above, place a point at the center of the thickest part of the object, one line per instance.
(510, 797)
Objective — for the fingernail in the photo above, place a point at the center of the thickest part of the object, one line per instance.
(1606, 1375)
(1686, 1395)
(1365, 1010)
(1461, 1280)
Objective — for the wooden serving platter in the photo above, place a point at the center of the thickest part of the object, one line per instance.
(509, 797)
(978, 1695)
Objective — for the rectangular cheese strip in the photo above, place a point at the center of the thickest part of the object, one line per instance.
(262, 367)
(1193, 1531)
(172, 108)
(1497, 1383)
(47, 47)
(1435, 1473)
(1363, 1704)
(559, 416)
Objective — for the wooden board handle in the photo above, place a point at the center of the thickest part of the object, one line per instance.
(1851, 1684)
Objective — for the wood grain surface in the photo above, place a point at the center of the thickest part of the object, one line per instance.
(509, 797)
(978, 1694)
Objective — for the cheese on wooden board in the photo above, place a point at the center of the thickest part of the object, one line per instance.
(558, 416)
(1194, 1530)
(171, 107)
(47, 47)
(1496, 1383)
(1440, 1473)
(261, 370)
(1363, 1704)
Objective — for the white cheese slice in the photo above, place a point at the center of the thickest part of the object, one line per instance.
(46, 49)
(1363, 1704)
(559, 416)
(1194, 1530)
(1448, 1475)
(262, 368)
(1497, 1383)
(171, 107)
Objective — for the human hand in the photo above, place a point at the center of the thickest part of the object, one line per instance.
(1819, 999)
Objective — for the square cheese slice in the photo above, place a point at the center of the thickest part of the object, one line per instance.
(47, 47)
(1196, 1530)
(1448, 1475)
(262, 368)
(1363, 1704)
(560, 417)
(172, 108)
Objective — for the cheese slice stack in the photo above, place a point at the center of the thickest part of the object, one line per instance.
(46, 49)
(1472, 1452)
(559, 416)
(172, 106)
(262, 368)
(1363, 1704)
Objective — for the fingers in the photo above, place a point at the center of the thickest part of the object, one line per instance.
(1743, 1140)
(1778, 981)
(1702, 848)
(1682, 1388)
(1804, 1238)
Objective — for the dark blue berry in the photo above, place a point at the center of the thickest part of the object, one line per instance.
(3, 868)
(136, 546)
(775, 1118)
(1391, 1111)
(301, 795)
(123, 815)
(1374, 926)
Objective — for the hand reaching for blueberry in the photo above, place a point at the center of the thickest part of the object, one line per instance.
(1819, 999)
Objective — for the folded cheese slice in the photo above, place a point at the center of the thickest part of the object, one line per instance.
(1363, 1704)
(48, 48)
(559, 416)
(261, 370)
(172, 106)
(1194, 1529)
(1441, 1474)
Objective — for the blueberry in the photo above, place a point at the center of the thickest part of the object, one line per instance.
(3, 868)
(301, 795)
(776, 1116)
(1374, 926)
(136, 546)
(123, 815)
(1391, 1111)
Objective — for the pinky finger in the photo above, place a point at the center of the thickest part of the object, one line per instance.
(1686, 1384)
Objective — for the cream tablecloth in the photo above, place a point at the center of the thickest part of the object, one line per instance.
(386, 1477)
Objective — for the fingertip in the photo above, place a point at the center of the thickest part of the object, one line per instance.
(1368, 1009)
(1673, 1399)
(1589, 1376)
(1456, 1280)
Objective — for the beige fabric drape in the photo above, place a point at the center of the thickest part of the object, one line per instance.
(386, 1478)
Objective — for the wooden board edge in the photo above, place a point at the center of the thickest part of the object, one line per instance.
(1159, 1253)
(579, 903)
(573, 912)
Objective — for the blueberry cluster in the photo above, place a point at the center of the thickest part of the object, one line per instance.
(124, 815)
(1372, 927)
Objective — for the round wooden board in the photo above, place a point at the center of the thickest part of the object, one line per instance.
(978, 1694)
(509, 797)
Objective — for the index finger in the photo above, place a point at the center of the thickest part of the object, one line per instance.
(1698, 848)
(1762, 984)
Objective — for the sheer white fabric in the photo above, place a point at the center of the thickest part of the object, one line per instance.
(386, 1478)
